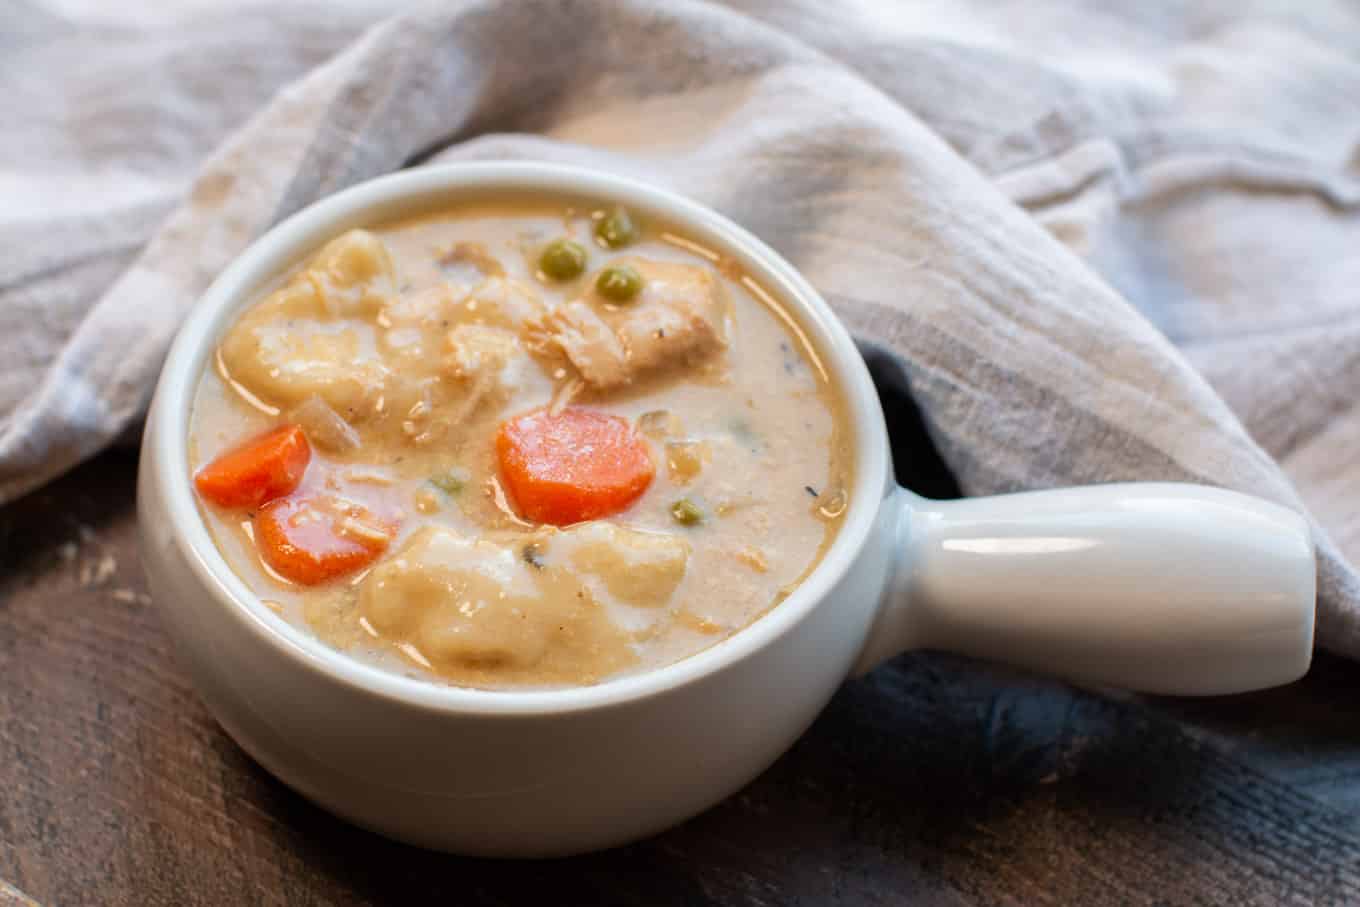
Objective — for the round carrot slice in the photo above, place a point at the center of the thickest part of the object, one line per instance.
(310, 539)
(259, 470)
(577, 465)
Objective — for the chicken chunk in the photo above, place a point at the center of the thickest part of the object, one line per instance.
(444, 386)
(476, 361)
(679, 317)
(590, 344)
(504, 303)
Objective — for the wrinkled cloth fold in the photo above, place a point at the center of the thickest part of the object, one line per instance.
(1102, 242)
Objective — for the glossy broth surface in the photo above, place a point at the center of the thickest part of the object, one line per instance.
(401, 352)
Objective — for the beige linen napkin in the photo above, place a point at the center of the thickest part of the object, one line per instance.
(1099, 241)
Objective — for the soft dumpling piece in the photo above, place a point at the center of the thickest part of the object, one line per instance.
(524, 602)
(314, 336)
(406, 367)
(478, 607)
(353, 275)
(460, 600)
(636, 567)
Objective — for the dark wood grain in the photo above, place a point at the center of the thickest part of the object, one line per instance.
(931, 781)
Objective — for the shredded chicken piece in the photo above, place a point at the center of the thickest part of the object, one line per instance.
(565, 394)
(592, 347)
(475, 359)
(678, 317)
(360, 531)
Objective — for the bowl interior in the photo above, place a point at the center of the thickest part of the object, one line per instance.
(432, 188)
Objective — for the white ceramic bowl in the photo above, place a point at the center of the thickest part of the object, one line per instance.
(1158, 587)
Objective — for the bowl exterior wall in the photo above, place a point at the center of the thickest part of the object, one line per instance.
(593, 768)
(505, 785)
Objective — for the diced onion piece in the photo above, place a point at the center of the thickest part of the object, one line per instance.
(686, 459)
(658, 424)
(325, 427)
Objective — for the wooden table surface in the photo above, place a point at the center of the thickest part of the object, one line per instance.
(931, 781)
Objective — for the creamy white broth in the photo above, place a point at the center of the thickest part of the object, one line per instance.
(754, 436)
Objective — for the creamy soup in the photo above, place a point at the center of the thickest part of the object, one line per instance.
(524, 443)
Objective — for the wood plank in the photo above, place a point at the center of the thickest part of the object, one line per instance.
(1304, 740)
(933, 780)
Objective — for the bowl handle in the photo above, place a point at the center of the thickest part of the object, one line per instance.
(1161, 588)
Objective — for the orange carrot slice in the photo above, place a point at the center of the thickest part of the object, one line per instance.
(260, 470)
(577, 465)
(311, 539)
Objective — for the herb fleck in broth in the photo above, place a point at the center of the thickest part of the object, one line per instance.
(433, 364)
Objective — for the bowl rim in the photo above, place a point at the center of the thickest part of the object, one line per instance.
(428, 187)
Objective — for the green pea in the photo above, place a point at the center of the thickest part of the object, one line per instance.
(616, 229)
(686, 512)
(619, 283)
(562, 259)
(450, 482)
